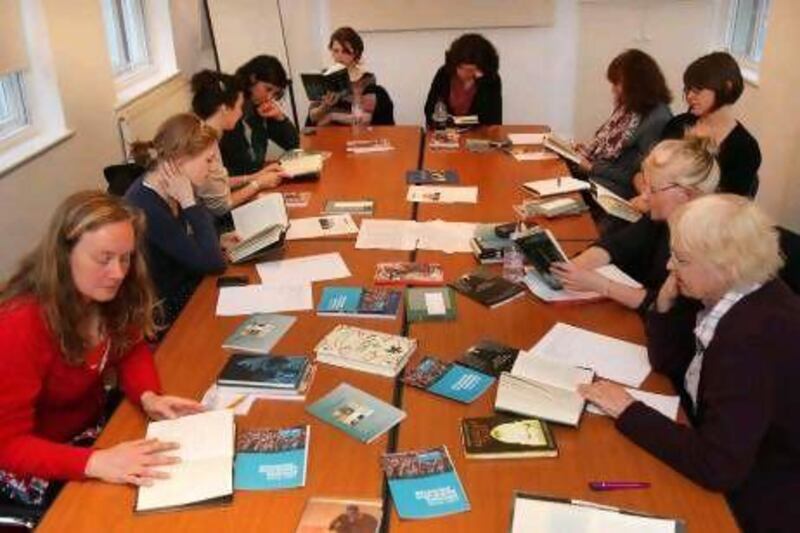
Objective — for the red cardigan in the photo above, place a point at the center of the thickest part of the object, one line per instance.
(44, 402)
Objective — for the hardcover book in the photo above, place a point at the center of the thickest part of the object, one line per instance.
(360, 415)
(366, 350)
(360, 302)
(487, 289)
(322, 515)
(453, 381)
(259, 333)
(424, 483)
(430, 304)
(431, 177)
(507, 437)
(489, 357)
(264, 371)
(405, 273)
(269, 459)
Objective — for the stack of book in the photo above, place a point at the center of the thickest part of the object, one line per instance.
(276, 377)
(490, 241)
(365, 350)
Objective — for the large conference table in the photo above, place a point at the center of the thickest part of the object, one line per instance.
(190, 357)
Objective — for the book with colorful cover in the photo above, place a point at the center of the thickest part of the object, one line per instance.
(430, 304)
(453, 381)
(366, 350)
(424, 483)
(489, 357)
(264, 371)
(269, 459)
(507, 437)
(431, 177)
(346, 515)
(259, 333)
(360, 302)
(406, 273)
(487, 288)
(360, 415)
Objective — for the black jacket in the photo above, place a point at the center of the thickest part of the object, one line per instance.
(244, 152)
(487, 104)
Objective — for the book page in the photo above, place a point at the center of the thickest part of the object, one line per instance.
(319, 267)
(533, 398)
(255, 216)
(264, 298)
(387, 234)
(444, 195)
(526, 138)
(550, 372)
(302, 165)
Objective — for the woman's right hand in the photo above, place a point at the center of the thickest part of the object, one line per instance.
(131, 462)
(330, 99)
(667, 294)
(177, 185)
(641, 203)
(270, 176)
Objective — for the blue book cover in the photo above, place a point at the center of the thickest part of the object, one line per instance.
(424, 483)
(452, 381)
(259, 333)
(263, 371)
(364, 303)
(379, 303)
(357, 413)
(428, 177)
(339, 300)
(270, 459)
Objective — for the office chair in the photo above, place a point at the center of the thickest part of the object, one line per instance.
(120, 177)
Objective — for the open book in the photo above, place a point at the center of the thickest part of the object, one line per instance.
(562, 147)
(542, 249)
(613, 204)
(205, 472)
(262, 226)
(301, 166)
(543, 389)
(333, 80)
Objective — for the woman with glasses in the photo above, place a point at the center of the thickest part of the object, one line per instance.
(264, 132)
(676, 171)
(734, 361)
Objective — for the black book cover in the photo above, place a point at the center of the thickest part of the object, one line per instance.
(264, 371)
(486, 288)
(490, 357)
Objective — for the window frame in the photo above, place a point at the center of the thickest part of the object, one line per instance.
(749, 64)
(125, 24)
(13, 94)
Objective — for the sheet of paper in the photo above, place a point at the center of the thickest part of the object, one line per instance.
(563, 185)
(303, 269)
(215, 399)
(610, 358)
(264, 298)
(387, 234)
(309, 228)
(526, 138)
(434, 303)
(433, 194)
(665, 404)
(449, 237)
(534, 156)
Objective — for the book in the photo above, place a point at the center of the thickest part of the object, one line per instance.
(430, 177)
(466, 120)
(487, 288)
(259, 333)
(539, 287)
(270, 459)
(529, 153)
(543, 389)
(454, 381)
(333, 80)
(487, 246)
(527, 138)
(547, 514)
(324, 226)
(406, 273)
(359, 302)
(541, 249)
(365, 350)
(204, 473)
(433, 194)
(354, 207)
(565, 206)
(447, 139)
(489, 357)
(294, 199)
(562, 147)
(263, 371)
(301, 166)
(507, 437)
(262, 226)
(367, 146)
(553, 186)
(360, 415)
(241, 398)
(613, 204)
(328, 514)
(424, 483)
(430, 304)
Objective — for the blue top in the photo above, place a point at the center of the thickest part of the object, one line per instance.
(180, 249)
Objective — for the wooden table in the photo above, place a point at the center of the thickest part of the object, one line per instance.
(190, 357)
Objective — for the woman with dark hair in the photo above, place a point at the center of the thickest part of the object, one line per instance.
(469, 81)
(374, 104)
(77, 311)
(641, 110)
(218, 101)
(264, 129)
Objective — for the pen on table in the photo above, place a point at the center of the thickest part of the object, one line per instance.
(618, 485)
(236, 402)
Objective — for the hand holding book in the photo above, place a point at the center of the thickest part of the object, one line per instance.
(577, 279)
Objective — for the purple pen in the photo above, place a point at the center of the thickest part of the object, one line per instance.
(618, 485)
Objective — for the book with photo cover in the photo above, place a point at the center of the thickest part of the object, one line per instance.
(332, 514)
(360, 415)
(424, 483)
(487, 288)
(541, 249)
(366, 350)
(453, 381)
(490, 357)
(425, 304)
(507, 437)
(406, 273)
(359, 302)
(431, 177)
(263, 371)
(259, 333)
(333, 80)
(270, 459)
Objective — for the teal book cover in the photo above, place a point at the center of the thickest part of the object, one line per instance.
(430, 304)
(339, 300)
(453, 381)
(259, 333)
(270, 459)
(360, 415)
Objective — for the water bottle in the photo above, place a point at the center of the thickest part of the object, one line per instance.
(513, 269)
(358, 114)
(439, 116)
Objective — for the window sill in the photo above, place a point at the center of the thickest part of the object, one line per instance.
(129, 92)
(751, 76)
(24, 151)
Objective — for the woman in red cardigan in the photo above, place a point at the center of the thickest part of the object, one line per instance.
(76, 313)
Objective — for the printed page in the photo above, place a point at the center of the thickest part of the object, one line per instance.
(550, 372)
(387, 234)
(532, 398)
(303, 269)
(257, 215)
(433, 194)
(264, 298)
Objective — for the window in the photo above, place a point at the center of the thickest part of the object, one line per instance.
(13, 114)
(126, 35)
(746, 31)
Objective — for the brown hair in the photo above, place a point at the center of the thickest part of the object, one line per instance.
(717, 72)
(472, 49)
(642, 82)
(46, 274)
(350, 41)
(180, 135)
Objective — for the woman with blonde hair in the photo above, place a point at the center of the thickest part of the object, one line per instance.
(676, 172)
(77, 311)
(182, 241)
(735, 363)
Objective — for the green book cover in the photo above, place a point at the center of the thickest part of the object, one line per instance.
(430, 304)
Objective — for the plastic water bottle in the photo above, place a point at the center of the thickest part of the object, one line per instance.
(358, 114)
(513, 269)
(439, 116)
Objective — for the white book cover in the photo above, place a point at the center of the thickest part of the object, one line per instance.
(324, 226)
(434, 194)
(551, 187)
(302, 165)
(366, 348)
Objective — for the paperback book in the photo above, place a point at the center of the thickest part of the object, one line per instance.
(614, 204)
(366, 146)
(562, 147)
(541, 249)
(365, 350)
(329, 514)
(270, 459)
(354, 207)
(487, 288)
(553, 186)
(431, 177)
(405, 273)
(264, 371)
(294, 200)
(334, 80)
(262, 226)
(259, 333)
(489, 357)
(302, 166)
(507, 437)
(359, 302)
(425, 304)
(453, 381)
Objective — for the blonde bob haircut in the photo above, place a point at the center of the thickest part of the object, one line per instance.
(689, 163)
(731, 233)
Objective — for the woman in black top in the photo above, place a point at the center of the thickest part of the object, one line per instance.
(469, 82)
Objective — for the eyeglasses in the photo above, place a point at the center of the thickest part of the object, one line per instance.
(653, 191)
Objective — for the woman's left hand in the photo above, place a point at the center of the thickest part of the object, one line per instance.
(575, 278)
(613, 399)
(228, 240)
(160, 407)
